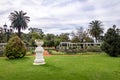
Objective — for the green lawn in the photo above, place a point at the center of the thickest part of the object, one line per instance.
(62, 67)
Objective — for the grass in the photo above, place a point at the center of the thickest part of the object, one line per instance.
(62, 67)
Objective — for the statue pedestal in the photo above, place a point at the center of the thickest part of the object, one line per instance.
(39, 59)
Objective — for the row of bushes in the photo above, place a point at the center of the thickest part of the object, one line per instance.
(68, 51)
(94, 49)
(76, 51)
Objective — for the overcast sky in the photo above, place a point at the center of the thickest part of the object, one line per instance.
(61, 16)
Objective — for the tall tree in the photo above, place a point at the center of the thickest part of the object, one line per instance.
(31, 30)
(95, 29)
(74, 37)
(80, 35)
(64, 37)
(19, 21)
(49, 40)
(111, 42)
(36, 30)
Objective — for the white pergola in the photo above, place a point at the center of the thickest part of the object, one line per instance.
(68, 45)
(2, 44)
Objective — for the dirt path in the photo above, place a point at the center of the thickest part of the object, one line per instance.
(46, 53)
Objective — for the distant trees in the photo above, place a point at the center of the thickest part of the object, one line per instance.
(19, 20)
(111, 44)
(49, 40)
(64, 37)
(95, 29)
(80, 36)
(52, 40)
(57, 41)
(37, 31)
(34, 33)
(1, 34)
(74, 37)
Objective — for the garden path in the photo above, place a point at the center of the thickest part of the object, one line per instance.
(46, 53)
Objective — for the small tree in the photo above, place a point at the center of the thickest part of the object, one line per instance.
(111, 44)
(15, 48)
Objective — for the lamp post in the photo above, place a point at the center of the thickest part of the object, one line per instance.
(7, 32)
(5, 27)
(0, 34)
(118, 31)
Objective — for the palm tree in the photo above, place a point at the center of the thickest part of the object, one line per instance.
(95, 29)
(19, 21)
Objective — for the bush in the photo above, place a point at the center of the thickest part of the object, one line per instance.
(1, 51)
(28, 53)
(54, 52)
(71, 51)
(15, 48)
(94, 49)
(111, 44)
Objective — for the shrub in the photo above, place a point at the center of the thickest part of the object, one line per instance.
(94, 49)
(70, 51)
(111, 44)
(28, 53)
(1, 51)
(15, 48)
(54, 52)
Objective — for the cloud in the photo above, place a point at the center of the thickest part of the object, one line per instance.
(57, 16)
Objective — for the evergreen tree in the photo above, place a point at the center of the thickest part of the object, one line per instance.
(111, 44)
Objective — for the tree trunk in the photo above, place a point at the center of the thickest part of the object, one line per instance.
(96, 39)
(19, 32)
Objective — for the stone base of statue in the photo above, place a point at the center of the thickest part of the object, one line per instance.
(39, 59)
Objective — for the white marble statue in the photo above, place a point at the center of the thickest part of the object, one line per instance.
(39, 59)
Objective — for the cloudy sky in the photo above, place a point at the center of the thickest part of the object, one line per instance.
(61, 16)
